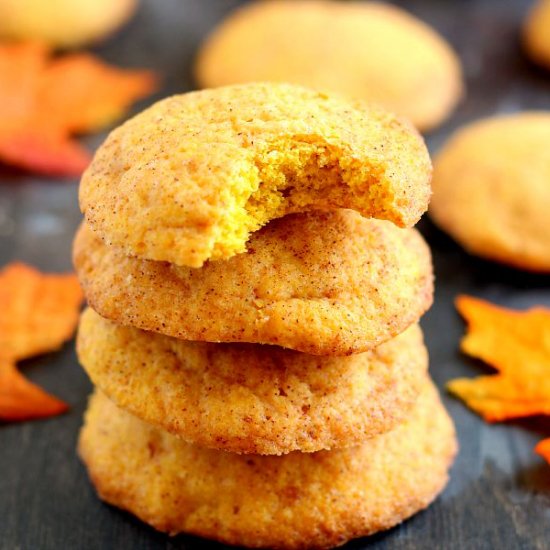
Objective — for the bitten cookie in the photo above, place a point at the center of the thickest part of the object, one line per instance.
(492, 189)
(536, 33)
(64, 23)
(190, 178)
(325, 283)
(248, 398)
(366, 50)
(300, 500)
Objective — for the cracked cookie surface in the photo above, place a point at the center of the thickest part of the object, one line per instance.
(249, 398)
(313, 500)
(325, 283)
(190, 178)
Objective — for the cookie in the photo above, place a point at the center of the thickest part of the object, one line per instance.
(190, 178)
(63, 23)
(364, 50)
(249, 398)
(300, 500)
(325, 283)
(536, 33)
(492, 192)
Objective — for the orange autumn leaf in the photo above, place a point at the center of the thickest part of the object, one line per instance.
(38, 312)
(543, 449)
(20, 69)
(23, 400)
(43, 151)
(26, 138)
(99, 94)
(43, 101)
(517, 345)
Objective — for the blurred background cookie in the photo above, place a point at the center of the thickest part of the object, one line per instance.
(326, 283)
(492, 189)
(190, 178)
(300, 500)
(365, 50)
(63, 23)
(536, 33)
(248, 398)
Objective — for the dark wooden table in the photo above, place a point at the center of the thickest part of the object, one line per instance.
(499, 494)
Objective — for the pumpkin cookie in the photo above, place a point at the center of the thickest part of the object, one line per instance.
(325, 283)
(64, 23)
(536, 33)
(365, 50)
(190, 178)
(300, 500)
(249, 398)
(492, 189)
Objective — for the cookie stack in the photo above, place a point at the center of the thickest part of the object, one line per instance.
(261, 377)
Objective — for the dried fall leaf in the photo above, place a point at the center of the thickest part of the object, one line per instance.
(517, 345)
(25, 140)
(43, 151)
(20, 68)
(44, 101)
(38, 312)
(93, 93)
(23, 400)
(543, 449)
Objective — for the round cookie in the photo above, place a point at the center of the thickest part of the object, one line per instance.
(300, 500)
(364, 50)
(64, 23)
(190, 178)
(325, 283)
(536, 33)
(248, 398)
(492, 189)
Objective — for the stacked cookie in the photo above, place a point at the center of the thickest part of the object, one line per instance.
(261, 376)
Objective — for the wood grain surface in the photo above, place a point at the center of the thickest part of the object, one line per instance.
(499, 494)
